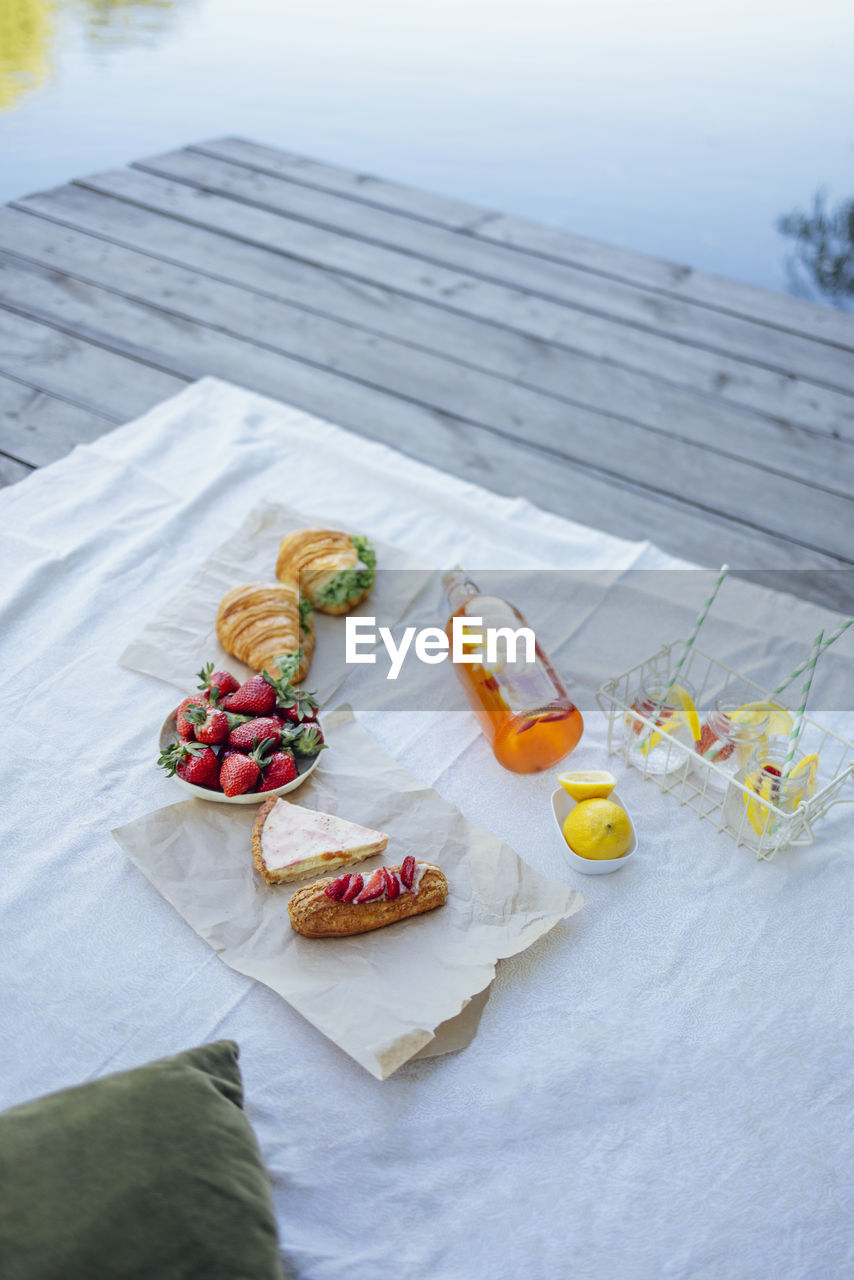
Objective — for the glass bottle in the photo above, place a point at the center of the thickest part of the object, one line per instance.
(523, 708)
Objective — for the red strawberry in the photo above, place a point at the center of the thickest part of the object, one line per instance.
(354, 888)
(237, 774)
(210, 724)
(407, 871)
(257, 697)
(337, 888)
(297, 705)
(193, 762)
(218, 684)
(375, 888)
(262, 729)
(185, 727)
(279, 769)
(392, 885)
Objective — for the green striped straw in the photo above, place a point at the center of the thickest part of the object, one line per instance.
(689, 644)
(799, 670)
(805, 693)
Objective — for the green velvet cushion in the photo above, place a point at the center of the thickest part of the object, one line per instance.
(151, 1173)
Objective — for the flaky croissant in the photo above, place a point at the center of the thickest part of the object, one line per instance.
(262, 622)
(334, 570)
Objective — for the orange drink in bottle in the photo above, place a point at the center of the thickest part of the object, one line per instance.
(522, 706)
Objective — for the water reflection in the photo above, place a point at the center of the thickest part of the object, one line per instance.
(821, 262)
(28, 33)
(125, 22)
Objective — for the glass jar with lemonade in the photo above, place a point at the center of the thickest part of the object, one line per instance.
(731, 731)
(669, 715)
(772, 792)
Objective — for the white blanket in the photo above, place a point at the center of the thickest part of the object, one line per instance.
(661, 1088)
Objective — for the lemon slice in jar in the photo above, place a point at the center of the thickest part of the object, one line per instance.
(689, 716)
(588, 784)
(753, 713)
(758, 814)
(690, 711)
(808, 765)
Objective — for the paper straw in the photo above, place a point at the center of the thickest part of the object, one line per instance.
(689, 644)
(799, 670)
(805, 693)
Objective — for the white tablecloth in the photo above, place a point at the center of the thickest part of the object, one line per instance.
(660, 1088)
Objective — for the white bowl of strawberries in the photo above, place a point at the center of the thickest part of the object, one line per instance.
(241, 743)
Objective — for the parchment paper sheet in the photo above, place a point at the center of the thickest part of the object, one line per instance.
(175, 643)
(379, 996)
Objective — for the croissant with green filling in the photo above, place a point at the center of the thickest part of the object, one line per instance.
(266, 625)
(333, 570)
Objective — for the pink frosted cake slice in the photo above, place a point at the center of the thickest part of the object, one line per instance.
(290, 842)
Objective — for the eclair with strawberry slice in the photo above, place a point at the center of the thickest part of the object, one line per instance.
(359, 902)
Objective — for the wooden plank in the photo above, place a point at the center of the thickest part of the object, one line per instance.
(510, 468)
(823, 323)
(261, 332)
(64, 365)
(577, 380)
(656, 312)
(38, 428)
(792, 400)
(12, 470)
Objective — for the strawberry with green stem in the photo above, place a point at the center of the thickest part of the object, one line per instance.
(217, 684)
(260, 729)
(210, 725)
(256, 697)
(280, 769)
(186, 728)
(192, 761)
(309, 740)
(297, 705)
(239, 773)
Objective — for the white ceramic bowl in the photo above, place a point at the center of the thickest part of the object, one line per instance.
(562, 804)
(305, 764)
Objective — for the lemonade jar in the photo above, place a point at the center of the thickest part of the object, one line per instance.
(675, 720)
(731, 731)
(748, 813)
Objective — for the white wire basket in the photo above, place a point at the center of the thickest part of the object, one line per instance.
(705, 786)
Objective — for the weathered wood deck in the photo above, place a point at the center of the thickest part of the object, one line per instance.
(637, 396)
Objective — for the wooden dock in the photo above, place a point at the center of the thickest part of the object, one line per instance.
(634, 395)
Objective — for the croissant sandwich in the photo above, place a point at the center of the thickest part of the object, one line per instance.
(266, 625)
(335, 571)
(356, 903)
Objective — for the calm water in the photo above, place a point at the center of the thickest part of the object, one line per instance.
(683, 130)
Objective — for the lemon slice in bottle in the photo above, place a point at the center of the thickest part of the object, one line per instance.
(588, 784)
(753, 713)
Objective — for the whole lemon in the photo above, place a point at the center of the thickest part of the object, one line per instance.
(598, 829)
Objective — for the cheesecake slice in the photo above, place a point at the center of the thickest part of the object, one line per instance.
(290, 842)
